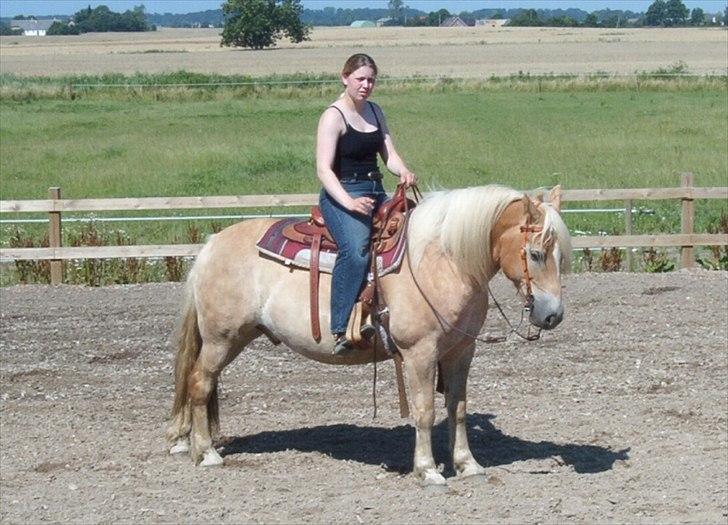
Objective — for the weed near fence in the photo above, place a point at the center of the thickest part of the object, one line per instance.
(98, 272)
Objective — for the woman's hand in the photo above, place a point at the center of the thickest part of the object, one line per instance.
(361, 205)
(407, 178)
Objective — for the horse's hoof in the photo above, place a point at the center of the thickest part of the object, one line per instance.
(211, 458)
(182, 446)
(471, 470)
(432, 478)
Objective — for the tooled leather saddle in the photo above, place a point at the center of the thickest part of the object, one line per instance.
(309, 244)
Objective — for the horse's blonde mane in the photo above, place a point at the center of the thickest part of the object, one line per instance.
(460, 221)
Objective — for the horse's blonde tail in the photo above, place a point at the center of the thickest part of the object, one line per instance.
(189, 345)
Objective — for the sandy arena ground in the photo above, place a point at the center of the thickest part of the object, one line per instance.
(619, 415)
(476, 52)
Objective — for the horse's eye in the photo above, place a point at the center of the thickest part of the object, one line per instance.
(537, 256)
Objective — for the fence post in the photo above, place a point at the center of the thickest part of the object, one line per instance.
(628, 231)
(687, 221)
(54, 237)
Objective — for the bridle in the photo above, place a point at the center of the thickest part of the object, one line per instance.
(526, 229)
(526, 279)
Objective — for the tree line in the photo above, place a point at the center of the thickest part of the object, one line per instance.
(258, 24)
(102, 19)
(99, 19)
(660, 13)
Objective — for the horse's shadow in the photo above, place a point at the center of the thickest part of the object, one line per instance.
(393, 447)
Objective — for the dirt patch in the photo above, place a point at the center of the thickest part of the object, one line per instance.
(48, 466)
(619, 415)
(660, 289)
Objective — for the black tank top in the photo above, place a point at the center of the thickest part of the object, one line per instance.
(356, 151)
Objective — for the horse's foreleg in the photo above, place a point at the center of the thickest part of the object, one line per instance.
(454, 368)
(420, 372)
(202, 387)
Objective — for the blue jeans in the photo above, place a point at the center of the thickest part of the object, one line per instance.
(352, 233)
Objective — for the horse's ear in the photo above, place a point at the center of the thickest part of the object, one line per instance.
(538, 198)
(555, 197)
(530, 208)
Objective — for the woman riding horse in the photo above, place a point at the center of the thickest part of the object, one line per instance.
(351, 132)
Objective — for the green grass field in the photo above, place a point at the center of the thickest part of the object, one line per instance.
(169, 143)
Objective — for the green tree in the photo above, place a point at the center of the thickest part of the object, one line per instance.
(591, 20)
(612, 21)
(526, 18)
(697, 17)
(562, 21)
(435, 18)
(103, 19)
(655, 15)
(675, 12)
(396, 10)
(258, 24)
(6, 30)
(61, 28)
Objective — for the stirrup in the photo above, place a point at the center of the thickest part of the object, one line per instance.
(367, 332)
(342, 345)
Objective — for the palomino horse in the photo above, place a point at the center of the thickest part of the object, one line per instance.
(438, 301)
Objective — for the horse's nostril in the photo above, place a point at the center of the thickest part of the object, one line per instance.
(552, 320)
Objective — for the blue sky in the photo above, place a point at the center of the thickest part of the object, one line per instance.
(9, 8)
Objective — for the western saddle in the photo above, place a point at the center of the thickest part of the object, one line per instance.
(388, 226)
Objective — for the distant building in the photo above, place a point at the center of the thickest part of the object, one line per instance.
(32, 27)
(453, 21)
(363, 23)
(492, 22)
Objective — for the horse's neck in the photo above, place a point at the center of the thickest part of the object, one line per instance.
(440, 278)
(510, 218)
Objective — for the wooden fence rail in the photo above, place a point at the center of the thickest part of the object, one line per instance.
(56, 205)
(308, 199)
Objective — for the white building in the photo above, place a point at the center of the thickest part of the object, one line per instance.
(492, 22)
(32, 27)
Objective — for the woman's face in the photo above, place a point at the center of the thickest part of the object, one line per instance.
(360, 83)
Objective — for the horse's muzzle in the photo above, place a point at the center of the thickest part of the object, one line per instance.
(547, 311)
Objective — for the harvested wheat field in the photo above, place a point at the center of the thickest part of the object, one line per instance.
(617, 416)
(474, 52)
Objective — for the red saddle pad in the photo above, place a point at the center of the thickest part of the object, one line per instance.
(278, 247)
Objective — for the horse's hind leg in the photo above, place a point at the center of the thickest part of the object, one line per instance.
(202, 388)
(454, 368)
(179, 431)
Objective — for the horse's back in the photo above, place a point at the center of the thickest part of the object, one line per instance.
(236, 286)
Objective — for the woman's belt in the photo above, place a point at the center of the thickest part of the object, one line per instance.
(358, 177)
